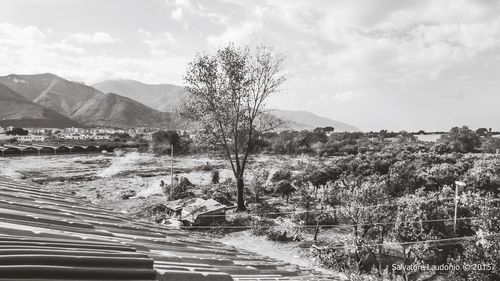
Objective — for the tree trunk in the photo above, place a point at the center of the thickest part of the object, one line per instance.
(316, 231)
(241, 199)
(307, 212)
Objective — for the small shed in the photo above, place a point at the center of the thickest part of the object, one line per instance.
(197, 211)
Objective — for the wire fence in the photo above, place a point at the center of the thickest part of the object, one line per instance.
(327, 225)
(330, 210)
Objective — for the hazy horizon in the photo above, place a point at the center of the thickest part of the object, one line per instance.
(387, 64)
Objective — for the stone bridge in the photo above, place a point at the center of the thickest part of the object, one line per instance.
(19, 149)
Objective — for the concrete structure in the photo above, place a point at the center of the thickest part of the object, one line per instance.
(20, 149)
(57, 236)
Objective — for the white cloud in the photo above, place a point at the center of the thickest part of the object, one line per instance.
(177, 14)
(17, 35)
(394, 41)
(66, 47)
(29, 39)
(181, 8)
(246, 33)
(161, 44)
(30, 49)
(158, 40)
(94, 38)
(346, 96)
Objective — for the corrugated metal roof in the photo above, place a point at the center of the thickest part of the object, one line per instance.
(55, 236)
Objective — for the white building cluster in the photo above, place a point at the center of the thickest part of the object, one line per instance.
(42, 134)
(84, 137)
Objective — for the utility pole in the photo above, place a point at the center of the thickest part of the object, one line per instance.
(171, 171)
(171, 154)
(457, 184)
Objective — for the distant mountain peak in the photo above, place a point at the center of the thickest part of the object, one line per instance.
(162, 97)
(305, 120)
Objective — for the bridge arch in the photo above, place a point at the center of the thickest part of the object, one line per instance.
(45, 150)
(91, 149)
(29, 150)
(77, 149)
(62, 150)
(6, 151)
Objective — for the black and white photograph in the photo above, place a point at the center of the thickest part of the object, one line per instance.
(258, 140)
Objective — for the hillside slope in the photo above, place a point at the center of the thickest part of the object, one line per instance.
(118, 111)
(16, 110)
(162, 97)
(51, 91)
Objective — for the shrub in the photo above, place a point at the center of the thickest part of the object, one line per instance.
(215, 176)
(284, 230)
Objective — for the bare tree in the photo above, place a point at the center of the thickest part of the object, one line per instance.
(227, 94)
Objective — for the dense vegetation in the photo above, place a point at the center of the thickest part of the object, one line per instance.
(369, 202)
(320, 142)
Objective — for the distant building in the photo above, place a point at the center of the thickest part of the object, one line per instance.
(429, 137)
(328, 130)
(148, 137)
(4, 137)
(2, 130)
(28, 138)
(85, 137)
(38, 131)
(10, 128)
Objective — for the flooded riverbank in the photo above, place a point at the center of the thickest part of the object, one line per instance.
(285, 251)
(105, 178)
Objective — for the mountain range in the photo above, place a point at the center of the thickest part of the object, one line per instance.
(17, 110)
(83, 103)
(43, 99)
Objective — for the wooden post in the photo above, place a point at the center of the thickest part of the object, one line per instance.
(455, 217)
(457, 184)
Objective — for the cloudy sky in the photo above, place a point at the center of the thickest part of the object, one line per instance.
(395, 64)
